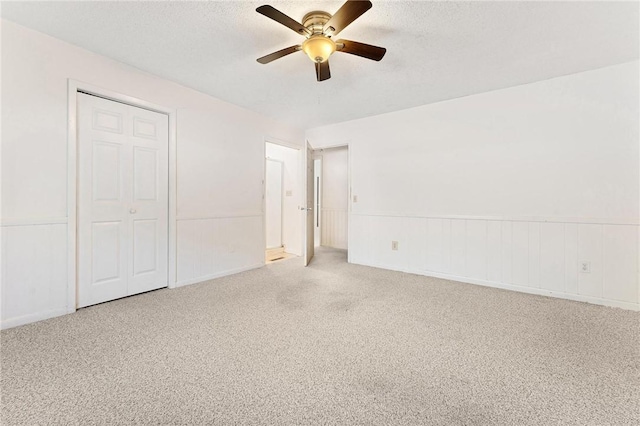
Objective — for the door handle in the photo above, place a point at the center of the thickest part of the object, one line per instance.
(306, 209)
(133, 211)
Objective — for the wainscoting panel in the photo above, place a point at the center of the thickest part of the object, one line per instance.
(494, 250)
(476, 252)
(34, 273)
(590, 250)
(507, 252)
(571, 258)
(446, 245)
(214, 247)
(534, 256)
(417, 246)
(333, 227)
(619, 262)
(458, 247)
(360, 238)
(434, 238)
(390, 229)
(520, 253)
(552, 259)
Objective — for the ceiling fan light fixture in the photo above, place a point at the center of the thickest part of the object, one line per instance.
(318, 27)
(318, 47)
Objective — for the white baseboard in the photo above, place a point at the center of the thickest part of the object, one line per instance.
(26, 319)
(39, 316)
(217, 275)
(520, 289)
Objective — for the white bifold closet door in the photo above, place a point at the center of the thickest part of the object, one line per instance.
(122, 200)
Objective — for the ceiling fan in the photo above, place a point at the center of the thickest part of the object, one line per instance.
(318, 27)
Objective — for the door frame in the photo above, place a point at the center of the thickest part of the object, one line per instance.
(73, 88)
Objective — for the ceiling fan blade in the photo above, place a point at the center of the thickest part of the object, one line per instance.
(277, 55)
(322, 71)
(276, 15)
(349, 12)
(360, 49)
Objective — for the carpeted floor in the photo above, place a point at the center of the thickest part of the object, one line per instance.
(330, 344)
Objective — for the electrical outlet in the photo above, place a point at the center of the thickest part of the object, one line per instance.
(394, 245)
(585, 267)
(355, 198)
(289, 193)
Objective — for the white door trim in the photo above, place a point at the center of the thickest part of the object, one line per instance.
(73, 87)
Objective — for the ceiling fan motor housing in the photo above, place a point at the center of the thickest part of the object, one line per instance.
(314, 21)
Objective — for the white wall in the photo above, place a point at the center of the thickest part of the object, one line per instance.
(292, 222)
(219, 229)
(510, 188)
(335, 197)
(273, 200)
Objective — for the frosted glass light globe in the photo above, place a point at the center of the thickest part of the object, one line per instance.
(318, 48)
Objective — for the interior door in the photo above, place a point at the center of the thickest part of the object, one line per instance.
(273, 202)
(122, 200)
(308, 209)
(149, 208)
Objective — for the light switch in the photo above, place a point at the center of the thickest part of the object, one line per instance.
(585, 267)
(289, 193)
(355, 198)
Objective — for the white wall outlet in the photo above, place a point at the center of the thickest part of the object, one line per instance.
(584, 267)
(355, 198)
(394, 245)
(289, 193)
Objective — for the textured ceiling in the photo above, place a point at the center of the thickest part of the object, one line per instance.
(436, 50)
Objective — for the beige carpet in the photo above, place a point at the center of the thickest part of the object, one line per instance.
(330, 344)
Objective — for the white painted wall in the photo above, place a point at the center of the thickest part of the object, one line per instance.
(335, 197)
(220, 170)
(292, 225)
(510, 188)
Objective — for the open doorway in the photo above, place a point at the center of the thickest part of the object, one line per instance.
(282, 192)
(331, 197)
(274, 184)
